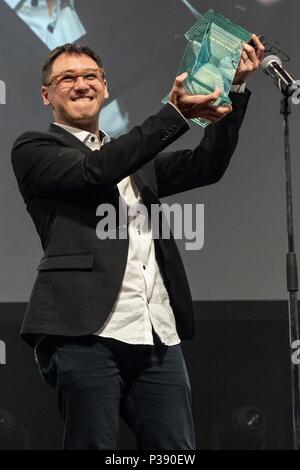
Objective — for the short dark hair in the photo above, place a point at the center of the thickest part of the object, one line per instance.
(77, 49)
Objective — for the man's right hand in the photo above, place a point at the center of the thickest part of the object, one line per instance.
(197, 106)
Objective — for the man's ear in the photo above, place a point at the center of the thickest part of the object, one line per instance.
(45, 96)
(106, 93)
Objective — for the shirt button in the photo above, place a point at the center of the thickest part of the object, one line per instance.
(139, 232)
(144, 267)
(93, 139)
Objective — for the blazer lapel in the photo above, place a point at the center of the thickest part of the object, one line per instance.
(143, 178)
(145, 182)
(70, 140)
(67, 138)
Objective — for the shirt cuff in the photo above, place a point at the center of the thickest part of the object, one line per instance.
(179, 112)
(239, 88)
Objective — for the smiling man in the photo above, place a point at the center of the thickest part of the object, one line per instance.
(106, 316)
(76, 88)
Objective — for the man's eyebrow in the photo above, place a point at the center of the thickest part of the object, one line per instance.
(74, 71)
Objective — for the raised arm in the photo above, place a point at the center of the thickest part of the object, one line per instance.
(187, 169)
(44, 167)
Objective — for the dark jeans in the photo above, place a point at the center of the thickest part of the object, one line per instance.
(99, 378)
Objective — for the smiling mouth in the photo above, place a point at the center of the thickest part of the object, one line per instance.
(83, 98)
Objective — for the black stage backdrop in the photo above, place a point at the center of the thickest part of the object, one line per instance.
(239, 370)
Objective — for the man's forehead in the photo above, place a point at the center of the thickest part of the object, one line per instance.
(73, 62)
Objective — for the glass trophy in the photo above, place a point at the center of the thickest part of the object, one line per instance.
(212, 57)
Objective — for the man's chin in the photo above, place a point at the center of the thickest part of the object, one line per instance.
(81, 121)
(83, 117)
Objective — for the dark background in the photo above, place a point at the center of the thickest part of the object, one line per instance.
(240, 356)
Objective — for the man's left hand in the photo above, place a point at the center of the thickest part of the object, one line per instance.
(251, 60)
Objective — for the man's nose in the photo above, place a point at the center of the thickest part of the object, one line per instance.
(81, 84)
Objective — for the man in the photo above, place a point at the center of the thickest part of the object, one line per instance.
(106, 315)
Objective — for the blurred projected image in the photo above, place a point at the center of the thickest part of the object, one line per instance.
(268, 2)
(115, 118)
(54, 21)
(191, 6)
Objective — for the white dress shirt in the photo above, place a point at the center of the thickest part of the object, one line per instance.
(143, 301)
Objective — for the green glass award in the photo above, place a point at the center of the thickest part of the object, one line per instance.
(212, 57)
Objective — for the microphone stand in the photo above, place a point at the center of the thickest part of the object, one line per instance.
(291, 269)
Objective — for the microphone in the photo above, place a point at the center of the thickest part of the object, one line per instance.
(286, 83)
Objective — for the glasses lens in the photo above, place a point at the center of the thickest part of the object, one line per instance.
(69, 79)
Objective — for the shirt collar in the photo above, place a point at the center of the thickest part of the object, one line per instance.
(83, 135)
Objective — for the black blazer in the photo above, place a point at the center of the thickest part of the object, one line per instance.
(63, 182)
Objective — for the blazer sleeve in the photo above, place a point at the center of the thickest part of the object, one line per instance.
(43, 167)
(188, 169)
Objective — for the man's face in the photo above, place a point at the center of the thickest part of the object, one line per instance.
(77, 90)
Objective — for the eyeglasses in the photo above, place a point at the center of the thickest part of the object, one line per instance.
(68, 79)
